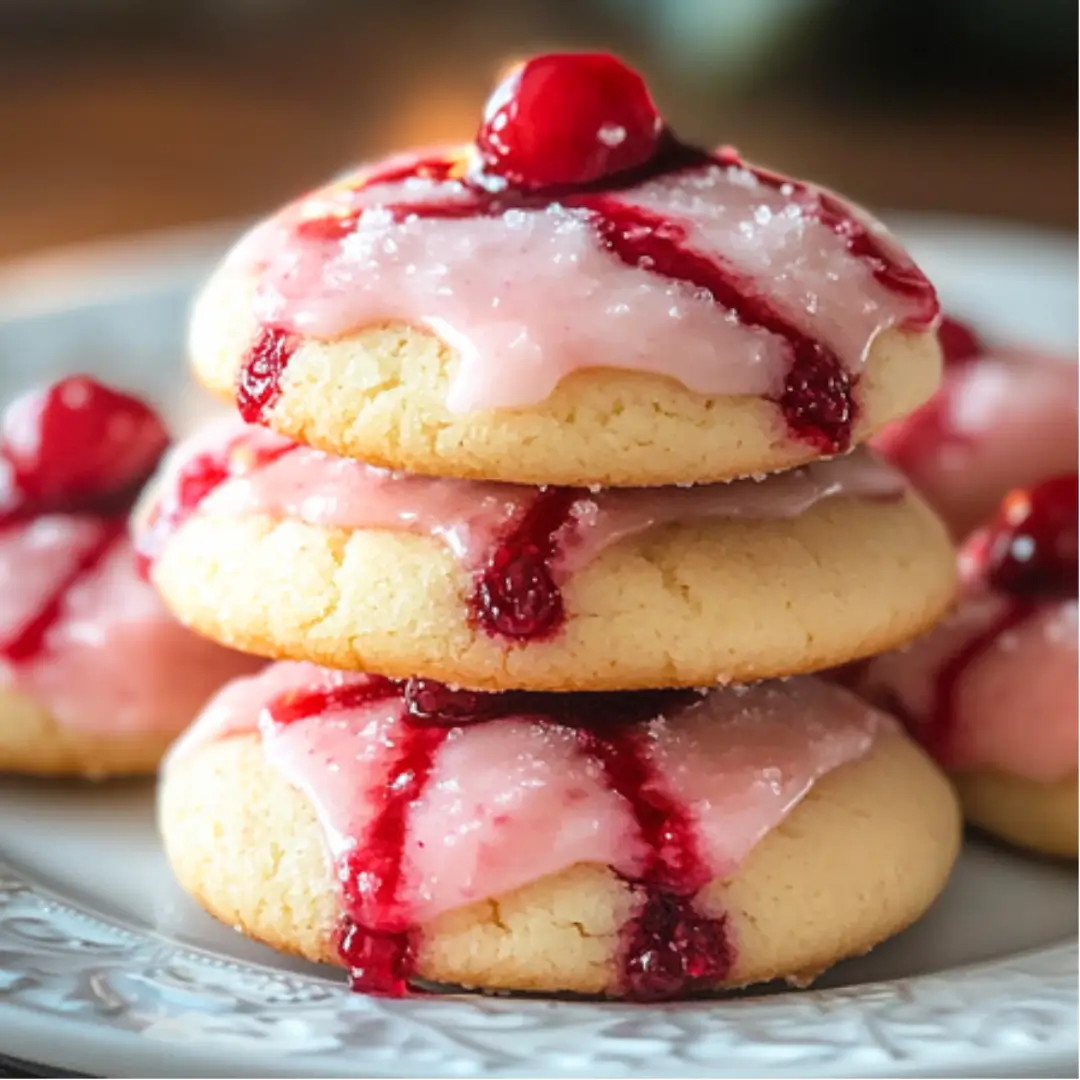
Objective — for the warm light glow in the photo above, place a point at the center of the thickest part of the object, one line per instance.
(506, 68)
(1016, 506)
(436, 116)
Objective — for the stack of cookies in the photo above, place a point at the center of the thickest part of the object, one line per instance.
(547, 461)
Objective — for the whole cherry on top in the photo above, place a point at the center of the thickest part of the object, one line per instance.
(568, 119)
(1030, 548)
(75, 445)
(574, 130)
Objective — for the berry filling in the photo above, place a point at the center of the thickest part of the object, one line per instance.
(668, 948)
(260, 376)
(516, 596)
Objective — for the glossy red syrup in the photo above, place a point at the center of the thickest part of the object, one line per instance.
(259, 385)
(539, 145)
(668, 947)
(195, 481)
(375, 939)
(816, 400)
(516, 595)
(28, 641)
(1028, 554)
(74, 447)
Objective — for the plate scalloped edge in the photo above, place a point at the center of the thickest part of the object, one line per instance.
(57, 960)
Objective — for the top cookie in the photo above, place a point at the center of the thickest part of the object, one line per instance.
(575, 298)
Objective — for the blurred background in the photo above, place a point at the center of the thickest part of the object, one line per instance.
(119, 116)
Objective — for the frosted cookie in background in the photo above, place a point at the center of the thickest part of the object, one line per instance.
(96, 677)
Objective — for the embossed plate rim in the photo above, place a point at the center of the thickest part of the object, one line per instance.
(97, 973)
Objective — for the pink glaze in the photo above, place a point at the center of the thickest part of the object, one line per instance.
(470, 515)
(1000, 421)
(531, 293)
(995, 686)
(1015, 705)
(512, 799)
(111, 660)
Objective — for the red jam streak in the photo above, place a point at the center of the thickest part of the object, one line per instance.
(1028, 554)
(668, 948)
(74, 447)
(259, 385)
(535, 151)
(825, 208)
(380, 960)
(28, 641)
(515, 594)
(374, 939)
(816, 400)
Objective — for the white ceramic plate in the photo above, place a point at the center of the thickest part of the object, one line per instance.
(106, 967)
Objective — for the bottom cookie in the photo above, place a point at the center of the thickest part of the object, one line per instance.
(851, 857)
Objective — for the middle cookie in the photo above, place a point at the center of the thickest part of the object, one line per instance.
(286, 551)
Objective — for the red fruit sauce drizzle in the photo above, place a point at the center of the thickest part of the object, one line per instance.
(515, 594)
(1027, 555)
(74, 447)
(668, 948)
(259, 385)
(817, 399)
(27, 642)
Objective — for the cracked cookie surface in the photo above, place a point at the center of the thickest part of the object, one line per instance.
(679, 605)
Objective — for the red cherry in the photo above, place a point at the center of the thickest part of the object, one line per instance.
(959, 342)
(76, 444)
(568, 119)
(1030, 549)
